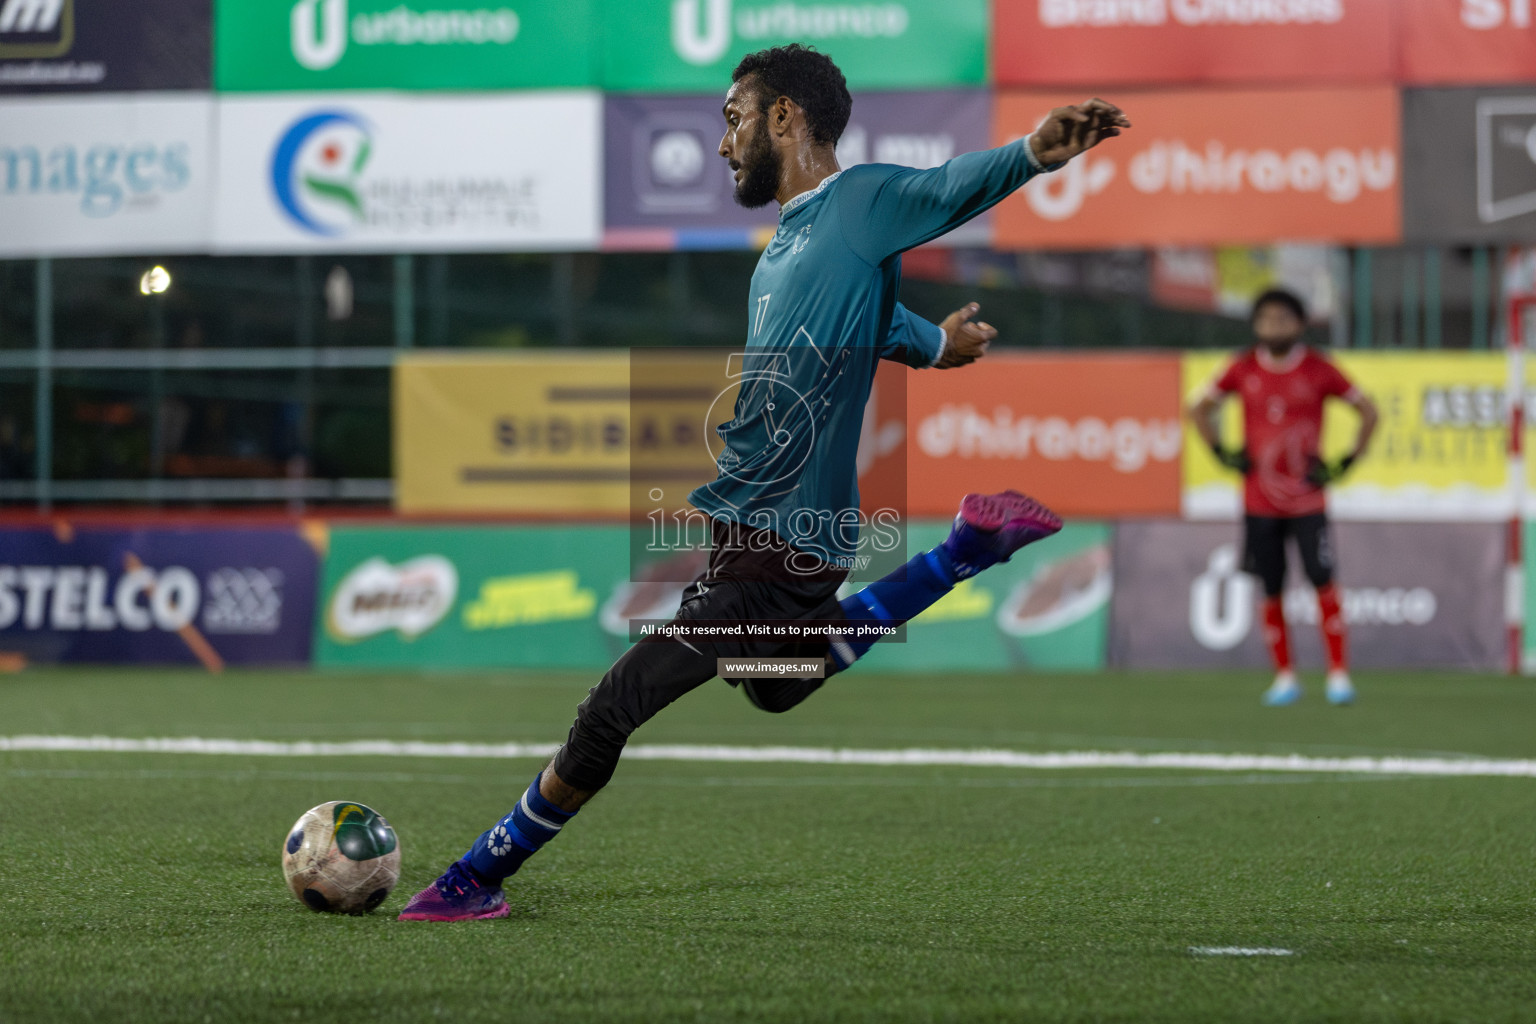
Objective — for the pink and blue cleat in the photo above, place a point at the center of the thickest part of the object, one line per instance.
(459, 895)
(991, 527)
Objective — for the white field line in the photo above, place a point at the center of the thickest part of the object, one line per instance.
(1239, 951)
(1045, 760)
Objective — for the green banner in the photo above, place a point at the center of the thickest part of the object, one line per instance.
(262, 45)
(693, 45)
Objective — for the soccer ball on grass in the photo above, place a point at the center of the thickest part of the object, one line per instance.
(341, 857)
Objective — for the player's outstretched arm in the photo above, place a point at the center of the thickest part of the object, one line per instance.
(965, 340)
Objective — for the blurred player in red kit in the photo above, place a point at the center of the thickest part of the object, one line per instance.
(1282, 384)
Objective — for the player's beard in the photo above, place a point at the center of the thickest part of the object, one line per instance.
(760, 185)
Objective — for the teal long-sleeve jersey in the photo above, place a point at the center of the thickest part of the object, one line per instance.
(821, 313)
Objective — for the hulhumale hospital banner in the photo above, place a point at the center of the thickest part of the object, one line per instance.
(693, 45)
(363, 172)
(161, 596)
(103, 45)
(665, 185)
(272, 45)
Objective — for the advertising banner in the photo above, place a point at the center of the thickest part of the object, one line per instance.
(1215, 168)
(1464, 42)
(665, 185)
(274, 45)
(1414, 595)
(1438, 451)
(1469, 165)
(693, 45)
(1167, 42)
(1089, 435)
(159, 596)
(105, 175)
(103, 45)
(365, 173)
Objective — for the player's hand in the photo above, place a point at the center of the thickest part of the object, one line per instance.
(1234, 458)
(1322, 474)
(965, 341)
(1068, 131)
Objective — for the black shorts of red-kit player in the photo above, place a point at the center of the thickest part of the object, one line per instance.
(1264, 549)
(752, 575)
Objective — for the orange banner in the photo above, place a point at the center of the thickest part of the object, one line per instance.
(1090, 435)
(1214, 168)
(1152, 42)
(1467, 42)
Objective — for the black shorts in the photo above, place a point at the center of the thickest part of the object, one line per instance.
(753, 575)
(1264, 549)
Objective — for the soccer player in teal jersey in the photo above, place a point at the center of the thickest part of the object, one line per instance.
(822, 311)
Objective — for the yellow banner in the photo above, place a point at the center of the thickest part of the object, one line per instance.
(555, 433)
(1438, 450)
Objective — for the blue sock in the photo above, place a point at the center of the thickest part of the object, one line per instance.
(892, 600)
(502, 848)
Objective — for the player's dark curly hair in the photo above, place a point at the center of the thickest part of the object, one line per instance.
(1280, 297)
(806, 76)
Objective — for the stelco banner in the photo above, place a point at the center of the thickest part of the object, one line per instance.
(103, 45)
(1165, 42)
(663, 171)
(1415, 595)
(1213, 168)
(365, 173)
(1469, 165)
(1438, 451)
(693, 45)
(157, 595)
(1089, 435)
(268, 45)
(118, 174)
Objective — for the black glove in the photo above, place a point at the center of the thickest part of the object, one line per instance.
(1322, 474)
(1234, 458)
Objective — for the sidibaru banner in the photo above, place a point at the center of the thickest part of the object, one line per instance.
(97, 176)
(1415, 596)
(103, 45)
(1092, 435)
(360, 172)
(1214, 168)
(1166, 42)
(269, 45)
(157, 595)
(663, 171)
(1466, 42)
(693, 45)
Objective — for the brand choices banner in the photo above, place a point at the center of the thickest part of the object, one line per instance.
(103, 45)
(662, 169)
(363, 172)
(157, 595)
(1421, 595)
(693, 45)
(1094, 43)
(267, 45)
(1213, 168)
(120, 174)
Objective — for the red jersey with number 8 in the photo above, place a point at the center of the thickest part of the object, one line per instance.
(1283, 425)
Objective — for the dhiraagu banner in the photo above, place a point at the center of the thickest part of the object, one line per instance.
(265, 45)
(693, 45)
(1438, 452)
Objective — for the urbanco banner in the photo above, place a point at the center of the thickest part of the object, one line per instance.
(104, 45)
(167, 596)
(1438, 453)
(1466, 42)
(1469, 165)
(1214, 168)
(1096, 435)
(693, 45)
(361, 172)
(95, 176)
(1415, 595)
(1171, 42)
(270, 45)
(663, 171)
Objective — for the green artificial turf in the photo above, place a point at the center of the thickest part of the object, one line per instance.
(139, 887)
